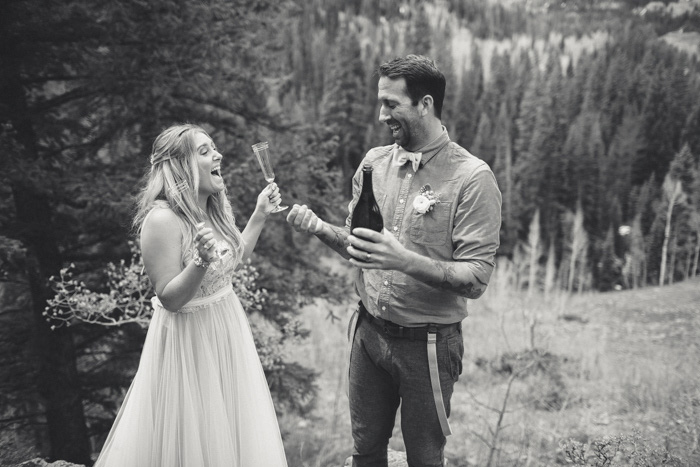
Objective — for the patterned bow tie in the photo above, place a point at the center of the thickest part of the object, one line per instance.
(401, 156)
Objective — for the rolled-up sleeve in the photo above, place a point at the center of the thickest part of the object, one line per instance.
(477, 223)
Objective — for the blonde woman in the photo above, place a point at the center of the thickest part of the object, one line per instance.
(199, 397)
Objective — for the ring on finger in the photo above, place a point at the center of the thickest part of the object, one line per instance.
(368, 257)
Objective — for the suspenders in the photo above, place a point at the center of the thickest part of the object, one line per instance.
(435, 383)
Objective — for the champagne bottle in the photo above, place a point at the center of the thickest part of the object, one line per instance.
(366, 213)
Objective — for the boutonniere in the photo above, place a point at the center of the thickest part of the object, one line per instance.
(426, 200)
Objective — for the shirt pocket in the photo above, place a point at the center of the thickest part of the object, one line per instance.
(433, 227)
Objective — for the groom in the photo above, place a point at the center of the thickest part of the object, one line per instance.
(413, 279)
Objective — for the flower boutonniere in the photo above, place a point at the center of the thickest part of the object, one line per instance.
(426, 200)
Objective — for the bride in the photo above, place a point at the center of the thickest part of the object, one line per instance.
(199, 397)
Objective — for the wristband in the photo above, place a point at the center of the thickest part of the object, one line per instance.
(199, 262)
(319, 225)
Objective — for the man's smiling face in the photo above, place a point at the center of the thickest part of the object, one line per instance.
(397, 111)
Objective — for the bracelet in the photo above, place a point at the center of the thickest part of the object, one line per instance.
(199, 262)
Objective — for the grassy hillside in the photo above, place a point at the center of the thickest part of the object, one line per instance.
(617, 369)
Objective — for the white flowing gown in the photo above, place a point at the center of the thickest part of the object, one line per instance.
(199, 397)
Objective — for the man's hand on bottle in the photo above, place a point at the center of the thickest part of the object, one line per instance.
(374, 250)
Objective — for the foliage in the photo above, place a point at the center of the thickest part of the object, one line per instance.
(128, 301)
(617, 451)
(580, 110)
(84, 89)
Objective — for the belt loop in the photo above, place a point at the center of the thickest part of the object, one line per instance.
(435, 382)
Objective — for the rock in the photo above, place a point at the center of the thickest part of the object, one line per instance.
(38, 462)
(396, 459)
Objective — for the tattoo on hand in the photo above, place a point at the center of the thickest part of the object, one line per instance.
(449, 282)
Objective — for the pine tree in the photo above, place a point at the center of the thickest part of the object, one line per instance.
(694, 216)
(85, 87)
(503, 170)
(550, 270)
(678, 178)
(634, 269)
(465, 111)
(343, 108)
(578, 246)
(527, 116)
(615, 94)
(664, 115)
(608, 265)
(540, 171)
(690, 134)
(534, 248)
(418, 40)
(484, 145)
(616, 173)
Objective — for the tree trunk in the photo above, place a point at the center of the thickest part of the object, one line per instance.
(572, 272)
(667, 232)
(550, 270)
(697, 254)
(58, 379)
(534, 243)
(672, 262)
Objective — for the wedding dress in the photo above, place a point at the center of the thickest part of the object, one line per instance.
(199, 397)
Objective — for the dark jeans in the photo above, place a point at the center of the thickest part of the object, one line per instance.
(387, 370)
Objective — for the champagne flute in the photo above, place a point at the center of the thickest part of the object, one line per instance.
(262, 154)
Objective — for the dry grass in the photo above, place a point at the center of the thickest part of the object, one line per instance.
(605, 365)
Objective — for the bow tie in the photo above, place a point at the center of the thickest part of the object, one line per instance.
(401, 156)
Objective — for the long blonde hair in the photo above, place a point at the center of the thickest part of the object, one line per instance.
(173, 182)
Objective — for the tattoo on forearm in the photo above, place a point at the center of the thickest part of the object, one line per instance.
(450, 283)
(337, 241)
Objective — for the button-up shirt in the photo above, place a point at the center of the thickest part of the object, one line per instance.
(462, 226)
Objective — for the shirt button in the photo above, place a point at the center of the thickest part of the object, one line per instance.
(386, 282)
(401, 201)
(395, 228)
(383, 308)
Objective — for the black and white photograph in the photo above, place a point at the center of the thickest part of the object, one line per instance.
(349, 233)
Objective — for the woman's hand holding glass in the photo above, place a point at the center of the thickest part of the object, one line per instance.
(269, 199)
(205, 243)
(262, 154)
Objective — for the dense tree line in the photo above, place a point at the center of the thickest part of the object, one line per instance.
(565, 128)
(590, 122)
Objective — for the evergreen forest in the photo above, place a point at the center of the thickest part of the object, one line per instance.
(587, 111)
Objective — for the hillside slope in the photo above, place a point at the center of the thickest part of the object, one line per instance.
(618, 364)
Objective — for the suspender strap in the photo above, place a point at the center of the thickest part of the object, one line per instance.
(352, 326)
(435, 383)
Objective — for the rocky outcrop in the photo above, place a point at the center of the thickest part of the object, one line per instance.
(42, 463)
(396, 459)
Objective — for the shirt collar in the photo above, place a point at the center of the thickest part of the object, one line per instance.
(433, 147)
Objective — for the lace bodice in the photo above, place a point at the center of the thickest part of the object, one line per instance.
(220, 273)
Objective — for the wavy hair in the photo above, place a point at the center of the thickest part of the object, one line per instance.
(173, 182)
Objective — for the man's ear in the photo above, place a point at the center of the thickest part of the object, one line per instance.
(427, 105)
